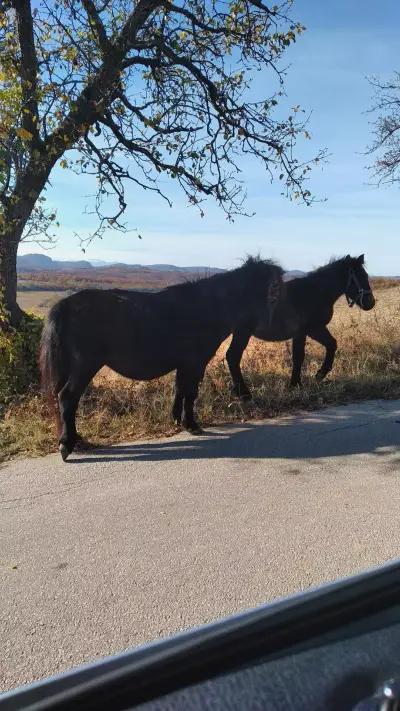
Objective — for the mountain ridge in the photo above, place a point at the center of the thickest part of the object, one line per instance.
(42, 262)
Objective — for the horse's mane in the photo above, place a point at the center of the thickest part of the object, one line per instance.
(334, 264)
(254, 266)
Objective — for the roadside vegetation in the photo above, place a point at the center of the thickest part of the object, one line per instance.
(115, 409)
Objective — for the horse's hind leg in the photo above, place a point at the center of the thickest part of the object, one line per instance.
(68, 399)
(298, 352)
(188, 381)
(323, 336)
(233, 357)
(177, 407)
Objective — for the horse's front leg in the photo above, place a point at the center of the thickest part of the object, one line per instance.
(189, 421)
(323, 336)
(298, 353)
(234, 354)
(177, 408)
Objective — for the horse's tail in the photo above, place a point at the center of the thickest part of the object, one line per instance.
(53, 357)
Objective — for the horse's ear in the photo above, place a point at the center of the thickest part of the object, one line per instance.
(361, 259)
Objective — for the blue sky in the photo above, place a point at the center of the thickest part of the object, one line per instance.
(345, 43)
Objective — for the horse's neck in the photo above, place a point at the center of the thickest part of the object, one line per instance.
(334, 287)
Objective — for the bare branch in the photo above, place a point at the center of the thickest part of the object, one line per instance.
(158, 164)
(386, 130)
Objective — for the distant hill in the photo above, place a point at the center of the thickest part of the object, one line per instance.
(293, 274)
(98, 263)
(40, 272)
(42, 262)
(33, 262)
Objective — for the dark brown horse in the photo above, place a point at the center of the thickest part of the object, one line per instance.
(304, 308)
(143, 336)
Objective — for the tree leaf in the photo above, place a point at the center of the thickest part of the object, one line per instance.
(24, 134)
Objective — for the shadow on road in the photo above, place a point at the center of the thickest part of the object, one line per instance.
(334, 433)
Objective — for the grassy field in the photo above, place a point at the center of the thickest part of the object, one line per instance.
(39, 302)
(115, 409)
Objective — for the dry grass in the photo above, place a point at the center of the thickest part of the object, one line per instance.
(384, 282)
(39, 302)
(115, 409)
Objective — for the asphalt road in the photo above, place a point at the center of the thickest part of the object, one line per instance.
(127, 544)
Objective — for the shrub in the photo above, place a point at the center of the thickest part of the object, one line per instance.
(19, 372)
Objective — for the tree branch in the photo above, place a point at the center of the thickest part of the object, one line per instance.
(196, 72)
(97, 25)
(135, 22)
(158, 164)
(143, 61)
(29, 68)
(96, 95)
(386, 144)
(261, 6)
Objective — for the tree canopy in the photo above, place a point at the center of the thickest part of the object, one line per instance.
(129, 91)
(386, 130)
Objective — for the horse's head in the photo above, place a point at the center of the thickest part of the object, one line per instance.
(358, 289)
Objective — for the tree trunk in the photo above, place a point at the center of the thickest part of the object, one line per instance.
(16, 215)
(10, 312)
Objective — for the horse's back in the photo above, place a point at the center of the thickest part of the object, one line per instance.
(106, 308)
(140, 335)
(110, 319)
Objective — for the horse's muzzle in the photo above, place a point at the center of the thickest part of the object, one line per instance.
(368, 302)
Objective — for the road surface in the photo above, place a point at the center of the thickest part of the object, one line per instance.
(134, 542)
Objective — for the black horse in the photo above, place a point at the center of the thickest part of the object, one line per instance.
(304, 309)
(143, 336)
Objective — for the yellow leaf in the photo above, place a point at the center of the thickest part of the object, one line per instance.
(24, 134)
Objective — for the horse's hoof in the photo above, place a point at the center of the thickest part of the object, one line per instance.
(319, 376)
(292, 386)
(64, 451)
(83, 445)
(196, 430)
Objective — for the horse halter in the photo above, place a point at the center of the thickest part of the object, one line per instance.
(353, 279)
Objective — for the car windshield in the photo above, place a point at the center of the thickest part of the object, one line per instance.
(199, 314)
